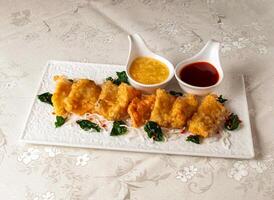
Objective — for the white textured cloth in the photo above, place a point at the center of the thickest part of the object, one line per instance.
(32, 32)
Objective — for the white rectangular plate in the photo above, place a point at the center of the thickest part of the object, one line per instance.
(40, 129)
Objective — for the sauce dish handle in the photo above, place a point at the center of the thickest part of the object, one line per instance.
(137, 45)
(210, 51)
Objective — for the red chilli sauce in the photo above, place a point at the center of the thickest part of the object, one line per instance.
(201, 74)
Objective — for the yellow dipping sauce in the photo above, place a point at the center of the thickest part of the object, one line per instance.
(148, 70)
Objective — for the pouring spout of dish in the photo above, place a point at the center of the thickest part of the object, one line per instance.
(139, 50)
(209, 54)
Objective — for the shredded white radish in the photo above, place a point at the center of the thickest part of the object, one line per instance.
(98, 119)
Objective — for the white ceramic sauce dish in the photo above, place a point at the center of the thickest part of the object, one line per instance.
(210, 54)
(137, 48)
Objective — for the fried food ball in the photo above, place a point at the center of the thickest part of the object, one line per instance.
(140, 109)
(62, 90)
(210, 116)
(182, 109)
(114, 100)
(82, 97)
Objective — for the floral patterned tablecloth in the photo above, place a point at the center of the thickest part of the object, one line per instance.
(32, 32)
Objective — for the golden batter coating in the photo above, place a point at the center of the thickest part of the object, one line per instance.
(172, 112)
(114, 100)
(106, 98)
(125, 95)
(62, 90)
(182, 109)
(161, 110)
(140, 109)
(82, 97)
(210, 116)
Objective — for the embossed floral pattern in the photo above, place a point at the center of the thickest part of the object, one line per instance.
(238, 171)
(186, 173)
(48, 196)
(28, 156)
(45, 196)
(21, 18)
(52, 151)
(260, 167)
(82, 160)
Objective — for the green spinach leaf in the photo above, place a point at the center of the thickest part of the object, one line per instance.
(232, 122)
(221, 99)
(87, 125)
(45, 97)
(109, 79)
(154, 131)
(118, 128)
(59, 121)
(193, 138)
(176, 94)
(122, 78)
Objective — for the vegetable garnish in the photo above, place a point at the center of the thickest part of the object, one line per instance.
(45, 97)
(109, 79)
(87, 125)
(221, 99)
(118, 128)
(193, 138)
(59, 121)
(232, 122)
(122, 78)
(176, 94)
(154, 131)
